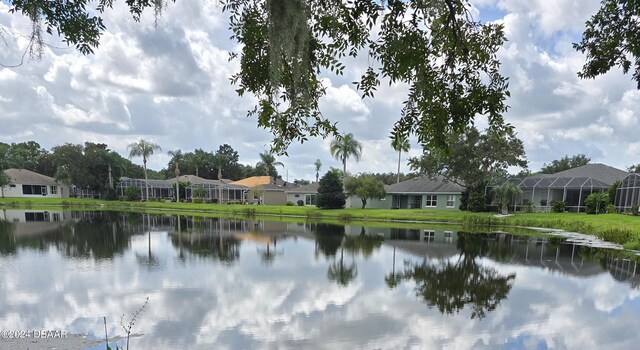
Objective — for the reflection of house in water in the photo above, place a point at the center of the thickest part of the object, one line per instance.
(35, 222)
(553, 254)
(75, 234)
(33, 215)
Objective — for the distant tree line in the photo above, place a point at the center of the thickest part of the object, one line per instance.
(85, 166)
(88, 165)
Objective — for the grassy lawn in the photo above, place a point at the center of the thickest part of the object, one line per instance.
(618, 228)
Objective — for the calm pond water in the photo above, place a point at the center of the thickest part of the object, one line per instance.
(233, 284)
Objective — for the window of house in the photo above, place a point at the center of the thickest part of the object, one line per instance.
(56, 217)
(451, 201)
(310, 199)
(34, 189)
(53, 189)
(429, 236)
(34, 217)
(448, 236)
(432, 200)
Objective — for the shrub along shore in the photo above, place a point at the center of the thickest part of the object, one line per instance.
(616, 228)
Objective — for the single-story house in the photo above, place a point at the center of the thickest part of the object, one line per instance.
(265, 190)
(421, 192)
(303, 195)
(571, 186)
(28, 184)
(424, 192)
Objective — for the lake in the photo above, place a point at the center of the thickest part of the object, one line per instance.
(253, 284)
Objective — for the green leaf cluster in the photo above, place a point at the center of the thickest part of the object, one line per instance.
(330, 192)
(365, 187)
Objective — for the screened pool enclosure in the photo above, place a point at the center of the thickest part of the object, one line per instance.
(540, 191)
(628, 192)
(213, 191)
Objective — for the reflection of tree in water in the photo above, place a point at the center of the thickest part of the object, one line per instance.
(269, 253)
(95, 235)
(148, 260)
(218, 247)
(362, 244)
(211, 238)
(328, 238)
(7, 237)
(100, 237)
(451, 285)
(340, 273)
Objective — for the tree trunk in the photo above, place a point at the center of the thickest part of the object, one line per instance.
(344, 167)
(146, 178)
(399, 152)
(364, 202)
(317, 175)
(505, 208)
(220, 185)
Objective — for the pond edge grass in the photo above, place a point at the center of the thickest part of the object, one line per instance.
(608, 227)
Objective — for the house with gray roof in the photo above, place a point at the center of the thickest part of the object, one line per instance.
(303, 195)
(597, 171)
(28, 184)
(424, 192)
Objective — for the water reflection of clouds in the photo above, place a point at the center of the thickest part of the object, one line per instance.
(292, 304)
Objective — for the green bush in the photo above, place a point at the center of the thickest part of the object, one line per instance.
(596, 203)
(345, 217)
(634, 209)
(196, 200)
(558, 206)
(289, 204)
(477, 202)
(530, 208)
(330, 192)
(110, 194)
(611, 209)
(474, 199)
(132, 193)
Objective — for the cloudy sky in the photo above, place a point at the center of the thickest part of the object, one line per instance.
(170, 84)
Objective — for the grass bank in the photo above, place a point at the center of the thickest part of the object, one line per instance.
(617, 228)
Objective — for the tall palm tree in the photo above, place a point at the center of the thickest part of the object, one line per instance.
(344, 147)
(318, 165)
(269, 162)
(176, 158)
(400, 143)
(144, 149)
(220, 160)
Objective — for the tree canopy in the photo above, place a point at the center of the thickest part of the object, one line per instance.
(365, 187)
(445, 56)
(565, 163)
(345, 146)
(612, 38)
(473, 157)
(330, 192)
